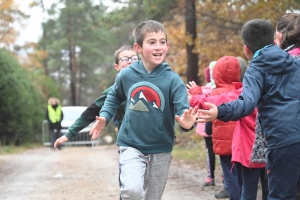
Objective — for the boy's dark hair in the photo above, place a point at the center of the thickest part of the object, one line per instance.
(147, 27)
(291, 33)
(119, 50)
(257, 33)
(284, 20)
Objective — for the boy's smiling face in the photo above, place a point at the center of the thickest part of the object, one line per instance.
(122, 64)
(154, 50)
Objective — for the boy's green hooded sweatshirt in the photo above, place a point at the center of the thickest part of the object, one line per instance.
(153, 100)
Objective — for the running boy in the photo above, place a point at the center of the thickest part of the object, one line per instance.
(271, 83)
(124, 56)
(154, 94)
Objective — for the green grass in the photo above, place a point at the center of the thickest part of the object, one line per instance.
(189, 147)
(194, 154)
(11, 149)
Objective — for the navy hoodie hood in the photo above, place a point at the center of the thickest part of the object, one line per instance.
(273, 60)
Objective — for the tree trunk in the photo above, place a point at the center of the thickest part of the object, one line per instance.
(45, 60)
(72, 62)
(80, 84)
(191, 34)
(73, 77)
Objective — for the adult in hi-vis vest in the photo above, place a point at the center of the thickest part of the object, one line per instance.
(54, 115)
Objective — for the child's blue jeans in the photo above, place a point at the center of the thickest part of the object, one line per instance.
(251, 178)
(232, 177)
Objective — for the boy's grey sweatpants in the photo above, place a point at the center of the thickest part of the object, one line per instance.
(142, 177)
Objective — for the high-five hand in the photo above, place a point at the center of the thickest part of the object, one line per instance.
(207, 115)
(188, 118)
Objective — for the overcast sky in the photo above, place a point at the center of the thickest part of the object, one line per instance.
(32, 30)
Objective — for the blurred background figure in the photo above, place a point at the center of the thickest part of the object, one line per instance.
(202, 129)
(54, 115)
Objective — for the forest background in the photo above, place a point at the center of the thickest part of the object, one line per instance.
(73, 59)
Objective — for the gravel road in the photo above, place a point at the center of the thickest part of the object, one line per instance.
(87, 173)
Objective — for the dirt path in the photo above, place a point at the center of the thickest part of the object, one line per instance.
(85, 173)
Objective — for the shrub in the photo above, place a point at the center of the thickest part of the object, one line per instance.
(22, 105)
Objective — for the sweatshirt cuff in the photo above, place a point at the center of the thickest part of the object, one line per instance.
(186, 130)
(196, 90)
(69, 135)
(221, 112)
(106, 115)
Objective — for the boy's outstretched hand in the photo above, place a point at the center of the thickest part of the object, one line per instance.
(207, 115)
(98, 126)
(188, 118)
(60, 140)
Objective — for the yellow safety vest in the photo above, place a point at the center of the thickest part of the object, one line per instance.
(54, 115)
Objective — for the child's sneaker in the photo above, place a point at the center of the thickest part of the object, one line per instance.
(209, 182)
(222, 195)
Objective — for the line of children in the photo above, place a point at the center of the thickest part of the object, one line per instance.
(271, 84)
(156, 96)
(227, 74)
(242, 143)
(287, 37)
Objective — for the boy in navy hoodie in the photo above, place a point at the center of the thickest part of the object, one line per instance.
(271, 83)
(156, 96)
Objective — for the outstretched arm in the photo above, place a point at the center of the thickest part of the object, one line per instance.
(243, 106)
(199, 100)
(188, 118)
(95, 131)
(87, 117)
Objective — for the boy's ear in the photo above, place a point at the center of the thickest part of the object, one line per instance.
(116, 66)
(248, 53)
(137, 48)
